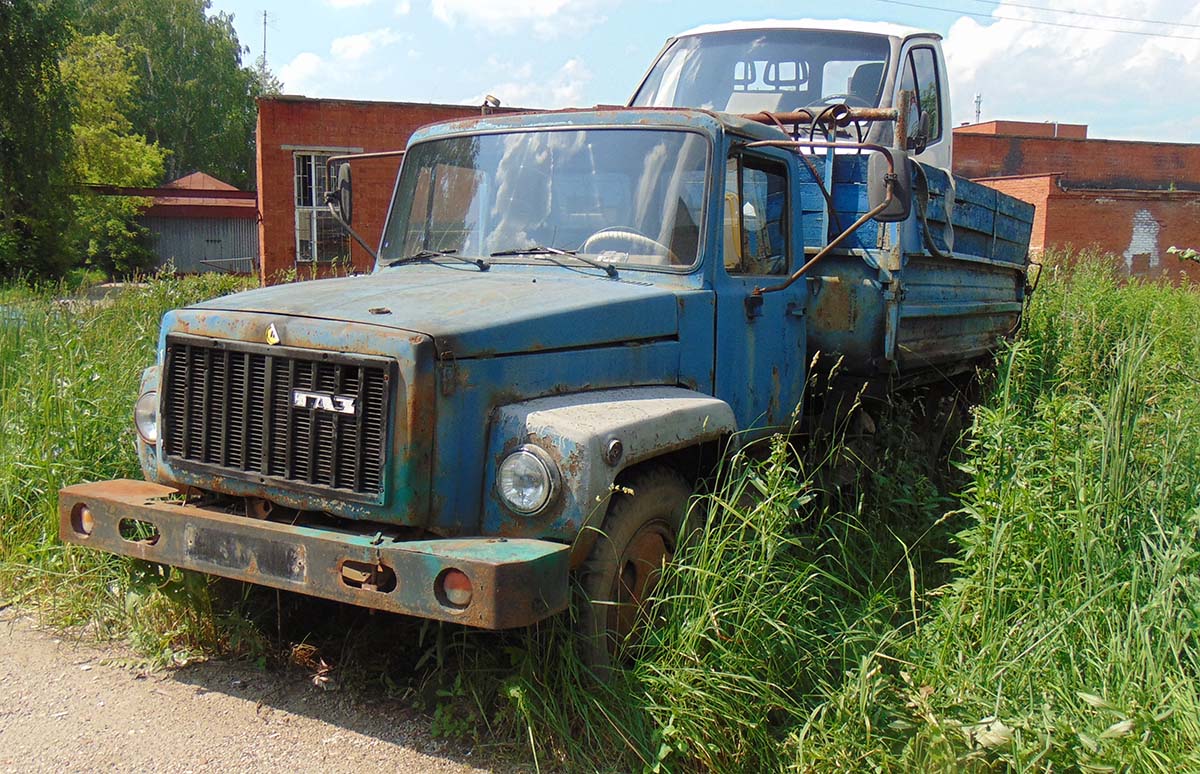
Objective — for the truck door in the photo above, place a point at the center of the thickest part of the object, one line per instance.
(760, 340)
(922, 73)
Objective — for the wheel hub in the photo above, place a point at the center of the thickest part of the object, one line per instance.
(638, 573)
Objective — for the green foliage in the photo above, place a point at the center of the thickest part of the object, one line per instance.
(69, 373)
(265, 81)
(1067, 639)
(102, 80)
(35, 138)
(193, 95)
(1184, 253)
(106, 235)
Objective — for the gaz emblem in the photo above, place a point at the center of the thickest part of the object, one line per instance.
(272, 335)
(323, 401)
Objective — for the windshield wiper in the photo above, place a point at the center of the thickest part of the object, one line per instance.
(543, 250)
(425, 255)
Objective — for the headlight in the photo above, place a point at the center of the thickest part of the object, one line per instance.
(145, 417)
(527, 480)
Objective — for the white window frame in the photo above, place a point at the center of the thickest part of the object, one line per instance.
(316, 158)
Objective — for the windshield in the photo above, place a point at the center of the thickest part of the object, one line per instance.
(748, 71)
(619, 196)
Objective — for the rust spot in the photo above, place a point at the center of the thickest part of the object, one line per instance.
(836, 306)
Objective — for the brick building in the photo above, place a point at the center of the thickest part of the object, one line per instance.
(295, 137)
(1132, 199)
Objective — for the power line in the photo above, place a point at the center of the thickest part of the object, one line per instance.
(993, 17)
(1088, 13)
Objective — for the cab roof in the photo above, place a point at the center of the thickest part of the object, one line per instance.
(707, 121)
(830, 25)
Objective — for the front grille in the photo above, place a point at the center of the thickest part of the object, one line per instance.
(315, 420)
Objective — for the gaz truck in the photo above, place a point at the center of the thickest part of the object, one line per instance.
(573, 315)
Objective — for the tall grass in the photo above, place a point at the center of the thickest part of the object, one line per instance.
(1035, 608)
(69, 373)
(1067, 638)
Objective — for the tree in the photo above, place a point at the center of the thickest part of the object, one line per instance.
(265, 81)
(101, 78)
(35, 138)
(193, 97)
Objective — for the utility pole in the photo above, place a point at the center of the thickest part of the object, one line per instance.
(978, 102)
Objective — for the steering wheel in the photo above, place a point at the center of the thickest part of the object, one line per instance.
(852, 100)
(629, 238)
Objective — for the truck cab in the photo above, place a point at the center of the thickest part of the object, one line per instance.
(813, 64)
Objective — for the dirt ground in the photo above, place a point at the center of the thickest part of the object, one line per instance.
(68, 706)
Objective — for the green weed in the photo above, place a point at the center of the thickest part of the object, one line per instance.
(69, 373)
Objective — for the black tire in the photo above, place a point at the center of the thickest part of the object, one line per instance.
(640, 532)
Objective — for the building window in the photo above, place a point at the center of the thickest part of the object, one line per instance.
(319, 237)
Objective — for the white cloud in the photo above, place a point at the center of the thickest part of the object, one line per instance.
(522, 87)
(346, 72)
(1037, 72)
(299, 76)
(403, 8)
(354, 47)
(546, 18)
(339, 4)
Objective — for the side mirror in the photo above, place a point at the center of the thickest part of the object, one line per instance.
(339, 195)
(922, 139)
(877, 176)
(342, 190)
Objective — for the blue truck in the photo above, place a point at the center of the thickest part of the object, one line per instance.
(572, 317)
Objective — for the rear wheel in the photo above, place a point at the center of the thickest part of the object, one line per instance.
(639, 536)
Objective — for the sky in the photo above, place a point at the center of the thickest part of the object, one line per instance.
(1027, 62)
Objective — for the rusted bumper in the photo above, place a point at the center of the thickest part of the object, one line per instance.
(511, 582)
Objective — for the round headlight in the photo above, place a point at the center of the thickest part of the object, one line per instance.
(526, 480)
(145, 417)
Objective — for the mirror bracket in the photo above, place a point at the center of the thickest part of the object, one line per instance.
(898, 178)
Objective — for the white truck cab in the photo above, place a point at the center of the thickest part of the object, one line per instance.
(807, 64)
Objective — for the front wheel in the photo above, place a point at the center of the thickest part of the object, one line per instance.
(639, 536)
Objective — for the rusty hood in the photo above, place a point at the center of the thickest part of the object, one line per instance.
(508, 309)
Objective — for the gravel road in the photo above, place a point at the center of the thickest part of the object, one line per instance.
(69, 706)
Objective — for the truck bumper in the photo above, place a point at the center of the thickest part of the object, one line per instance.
(509, 582)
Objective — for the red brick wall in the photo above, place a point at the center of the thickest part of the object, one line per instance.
(1084, 163)
(1025, 129)
(287, 124)
(1137, 229)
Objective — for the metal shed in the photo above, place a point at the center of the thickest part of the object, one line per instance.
(200, 223)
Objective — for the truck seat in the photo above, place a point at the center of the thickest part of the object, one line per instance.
(733, 232)
(864, 84)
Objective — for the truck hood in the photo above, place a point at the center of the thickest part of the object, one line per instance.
(469, 313)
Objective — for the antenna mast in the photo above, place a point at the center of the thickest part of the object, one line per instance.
(978, 102)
